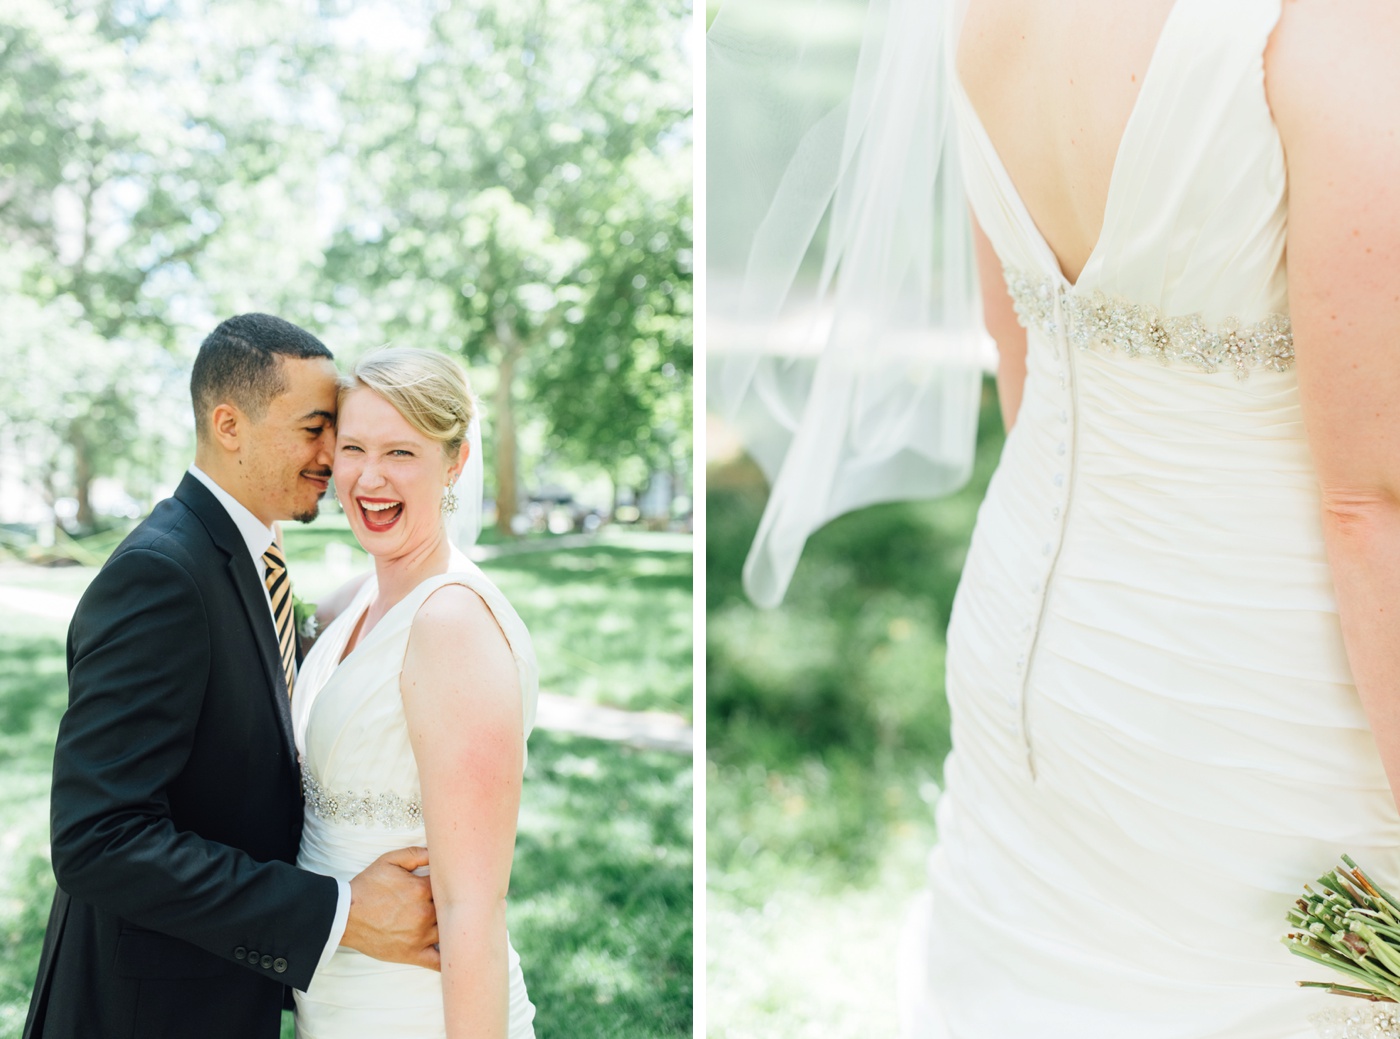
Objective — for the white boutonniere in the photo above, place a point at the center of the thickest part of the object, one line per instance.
(304, 618)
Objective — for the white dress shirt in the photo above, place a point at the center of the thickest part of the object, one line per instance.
(259, 538)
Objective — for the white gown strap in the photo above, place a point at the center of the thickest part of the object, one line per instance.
(1200, 141)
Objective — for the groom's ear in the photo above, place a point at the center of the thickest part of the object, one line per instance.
(226, 424)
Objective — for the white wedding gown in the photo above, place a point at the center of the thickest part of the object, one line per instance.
(363, 799)
(1156, 737)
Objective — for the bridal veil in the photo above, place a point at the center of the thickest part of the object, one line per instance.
(845, 337)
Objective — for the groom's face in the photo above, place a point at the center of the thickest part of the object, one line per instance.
(288, 453)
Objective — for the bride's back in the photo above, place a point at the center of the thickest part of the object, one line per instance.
(1054, 85)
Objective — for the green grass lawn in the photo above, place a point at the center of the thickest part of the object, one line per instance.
(601, 908)
(827, 728)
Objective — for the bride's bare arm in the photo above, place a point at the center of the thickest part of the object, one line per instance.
(1000, 317)
(461, 697)
(1334, 87)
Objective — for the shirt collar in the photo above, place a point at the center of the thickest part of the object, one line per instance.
(257, 536)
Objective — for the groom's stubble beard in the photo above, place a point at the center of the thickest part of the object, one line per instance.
(309, 515)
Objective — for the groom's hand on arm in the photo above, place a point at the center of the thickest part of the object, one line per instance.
(392, 917)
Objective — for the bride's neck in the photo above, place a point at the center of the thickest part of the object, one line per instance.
(397, 576)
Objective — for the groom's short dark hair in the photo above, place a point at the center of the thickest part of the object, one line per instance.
(239, 362)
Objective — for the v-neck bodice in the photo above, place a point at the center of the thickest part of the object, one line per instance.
(348, 714)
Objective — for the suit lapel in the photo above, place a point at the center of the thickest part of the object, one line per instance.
(245, 578)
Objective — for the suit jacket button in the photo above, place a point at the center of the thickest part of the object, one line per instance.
(240, 953)
(279, 965)
(252, 958)
(266, 961)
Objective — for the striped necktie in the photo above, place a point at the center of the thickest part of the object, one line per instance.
(279, 589)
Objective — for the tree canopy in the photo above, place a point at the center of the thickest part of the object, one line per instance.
(508, 181)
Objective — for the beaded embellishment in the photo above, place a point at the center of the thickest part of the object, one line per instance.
(387, 810)
(1358, 1019)
(1098, 321)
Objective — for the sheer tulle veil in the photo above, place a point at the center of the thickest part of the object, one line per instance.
(464, 525)
(845, 338)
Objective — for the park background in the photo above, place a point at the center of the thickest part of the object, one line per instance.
(508, 181)
(826, 718)
(827, 726)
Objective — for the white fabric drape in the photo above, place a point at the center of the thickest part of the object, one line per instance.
(845, 338)
(464, 525)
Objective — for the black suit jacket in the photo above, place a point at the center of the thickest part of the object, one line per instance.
(176, 805)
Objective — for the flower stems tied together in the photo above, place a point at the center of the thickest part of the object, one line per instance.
(1352, 925)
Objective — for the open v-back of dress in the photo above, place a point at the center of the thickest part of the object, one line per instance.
(1156, 737)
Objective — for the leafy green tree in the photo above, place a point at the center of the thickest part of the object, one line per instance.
(520, 202)
(128, 133)
(507, 181)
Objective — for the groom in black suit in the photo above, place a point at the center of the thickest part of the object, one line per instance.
(176, 805)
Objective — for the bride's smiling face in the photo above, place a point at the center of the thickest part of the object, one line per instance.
(389, 477)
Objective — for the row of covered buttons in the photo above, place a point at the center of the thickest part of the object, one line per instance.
(263, 960)
(1056, 511)
(1013, 724)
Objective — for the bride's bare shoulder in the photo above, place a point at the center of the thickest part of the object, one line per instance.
(1330, 60)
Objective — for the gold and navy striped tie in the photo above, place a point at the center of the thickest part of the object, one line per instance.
(279, 588)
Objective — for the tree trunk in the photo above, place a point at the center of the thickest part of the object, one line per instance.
(507, 462)
(82, 479)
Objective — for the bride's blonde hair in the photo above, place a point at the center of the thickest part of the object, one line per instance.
(429, 389)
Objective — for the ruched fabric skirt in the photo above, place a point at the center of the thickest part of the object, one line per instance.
(1156, 738)
(356, 997)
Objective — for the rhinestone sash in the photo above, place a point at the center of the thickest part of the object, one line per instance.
(386, 810)
(1096, 321)
(1357, 1019)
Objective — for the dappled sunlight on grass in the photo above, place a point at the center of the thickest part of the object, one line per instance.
(811, 964)
(24, 910)
(33, 693)
(600, 903)
(607, 975)
(611, 624)
(827, 731)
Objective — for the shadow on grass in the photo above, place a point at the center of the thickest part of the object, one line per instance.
(611, 624)
(629, 567)
(601, 900)
(31, 887)
(35, 691)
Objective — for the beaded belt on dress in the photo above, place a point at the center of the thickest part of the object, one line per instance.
(1094, 320)
(387, 810)
(1357, 1019)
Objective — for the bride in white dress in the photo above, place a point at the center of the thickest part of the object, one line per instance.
(1173, 656)
(411, 714)
(1163, 696)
